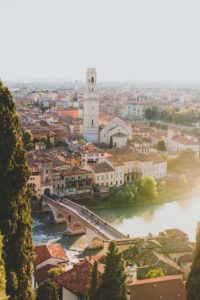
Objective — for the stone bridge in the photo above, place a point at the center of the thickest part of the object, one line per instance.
(79, 219)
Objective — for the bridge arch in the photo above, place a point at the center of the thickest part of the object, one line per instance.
(47, 192)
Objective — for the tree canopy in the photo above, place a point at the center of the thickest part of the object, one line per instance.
(113, 286)
(15, 221)
(154, 273)
(54, 272)
(161, 146)
(148, 188)
(27, 137)
(47, 291)
(193, 280)
(93, 291)
(2, 274)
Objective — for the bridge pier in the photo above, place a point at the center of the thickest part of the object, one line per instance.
(93, 240)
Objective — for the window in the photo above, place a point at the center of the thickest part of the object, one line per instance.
(92, 122)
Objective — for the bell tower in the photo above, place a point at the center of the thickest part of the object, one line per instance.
(91, 108)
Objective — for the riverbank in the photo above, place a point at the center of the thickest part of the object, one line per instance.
(171, 189)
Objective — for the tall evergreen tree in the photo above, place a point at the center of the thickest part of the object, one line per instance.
(15, 221)
(193, 280)
(113, 286)
(48, 142)
(94, 283)
(2, 274)
(47, 291)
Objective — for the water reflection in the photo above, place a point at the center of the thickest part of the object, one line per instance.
(139, 221)
(184, 214)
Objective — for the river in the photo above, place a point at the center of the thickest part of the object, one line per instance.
(182, 214)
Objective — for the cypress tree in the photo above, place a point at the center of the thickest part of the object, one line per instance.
(193, 280)
(113, 286)
(94, 282)
(2, 274)
(48, 142)
(15, 212)
(47, 291)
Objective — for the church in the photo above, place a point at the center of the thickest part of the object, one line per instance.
(115, 132)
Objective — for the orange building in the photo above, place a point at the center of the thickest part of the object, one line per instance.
(71, 112)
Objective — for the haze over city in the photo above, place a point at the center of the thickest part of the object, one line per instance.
(99, 150)
(125, 40)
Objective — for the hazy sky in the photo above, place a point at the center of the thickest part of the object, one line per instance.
(154, 40)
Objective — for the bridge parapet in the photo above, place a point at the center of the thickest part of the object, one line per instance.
(101, 221)
(72, 213)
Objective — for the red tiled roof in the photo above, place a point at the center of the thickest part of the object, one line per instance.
(44, 252)
(77, 279)
(165, 288)
(42, 274)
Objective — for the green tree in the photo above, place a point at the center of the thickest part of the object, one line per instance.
(48, 142)
(161, 146)
(193, 280)
(43, 139)
(47, 291)
(29, 146)
(151, 113)
(113, 286)
(154, 273)
(2, 274)
(15, 221)
(27, 137)
(54, 272)
(94, 283)
(111, 142)
(148, 188)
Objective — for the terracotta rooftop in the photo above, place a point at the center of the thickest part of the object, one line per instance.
(77, 279)
(69, 171)
(101, 167)
(42, 273)
(44, 252)
(165, 288)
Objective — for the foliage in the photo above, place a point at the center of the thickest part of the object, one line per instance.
(161, 146)
(151, 113)
(154, 273)
(54, 272)
(193, 280)
(111, 142)
(15, 223)
(47, 291)
(113, 286)
(48, 142)
(27, 137)
(93, 291)
(43, 139)
(2, 274)
(29, 146)
(172, 115)
(185, 161)
(147, 188)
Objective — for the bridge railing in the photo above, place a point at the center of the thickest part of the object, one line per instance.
(93, 215)
(86, 212)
